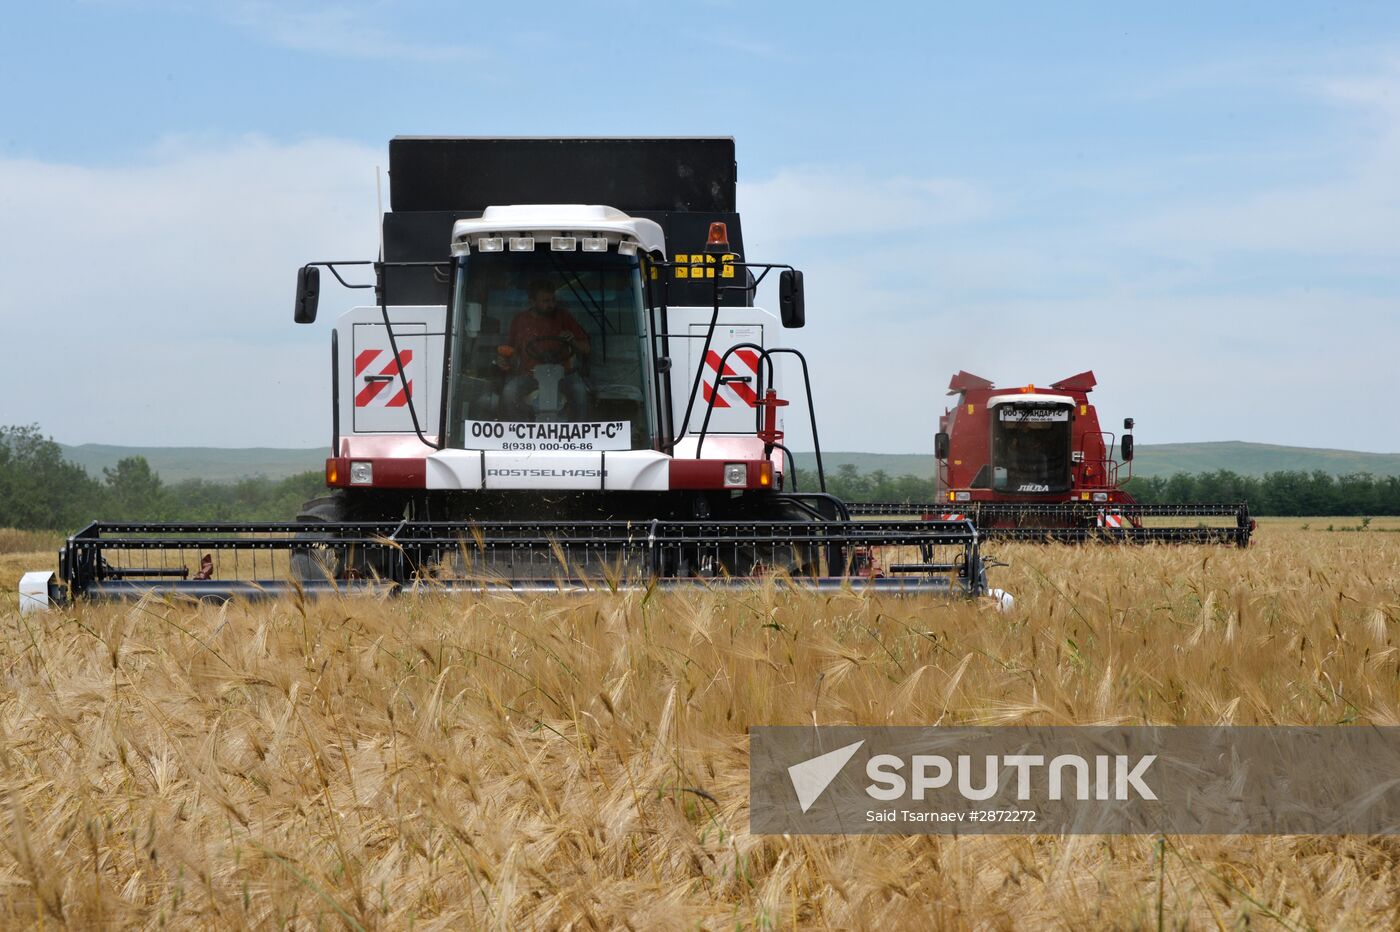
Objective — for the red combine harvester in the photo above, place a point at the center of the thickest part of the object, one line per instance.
(1028, 445)
(1032, 463)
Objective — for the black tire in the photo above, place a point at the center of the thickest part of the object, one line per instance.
(320, 559)
(317, 562)
(793, 559)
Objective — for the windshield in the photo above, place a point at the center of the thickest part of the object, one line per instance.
(1031, 448)
(547, 353)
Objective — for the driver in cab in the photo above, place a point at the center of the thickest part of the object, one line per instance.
(544, 334)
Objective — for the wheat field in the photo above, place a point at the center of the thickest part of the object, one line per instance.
(582, 762)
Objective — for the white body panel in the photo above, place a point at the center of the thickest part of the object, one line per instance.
(380, 405)
(733, 394)
(724, 447)
(34, 592)
(1038, 398)
(542, 220)
(629, 470)
(370, 403)
(688, 326)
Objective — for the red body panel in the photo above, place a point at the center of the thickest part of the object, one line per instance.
(969, 427)
(709, 474)
(389, 472)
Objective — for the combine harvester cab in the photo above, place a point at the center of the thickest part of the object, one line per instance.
(1033, 464)
(561, 383)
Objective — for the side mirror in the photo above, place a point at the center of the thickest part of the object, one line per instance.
(940, 445)
(308, 294)
(1127, 444)
(791, 306)
(1127, 423)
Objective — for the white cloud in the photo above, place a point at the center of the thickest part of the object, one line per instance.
(1234, 316)
(812, 202)
(1352, 211)
(1375, 92)
(153, 301)
(341, 29)
(363, 29)
(1275, 368)
(1356, 216)
(748, 47)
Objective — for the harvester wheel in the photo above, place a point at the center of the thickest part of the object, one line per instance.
(793, 559)
(319, 559)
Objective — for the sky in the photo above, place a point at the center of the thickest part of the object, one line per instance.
(1198, 201)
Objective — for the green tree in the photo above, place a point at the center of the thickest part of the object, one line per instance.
(1278, 493)
(134, 491)
(849, 484)
(39, 489)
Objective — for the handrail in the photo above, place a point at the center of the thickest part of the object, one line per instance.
(765, 358)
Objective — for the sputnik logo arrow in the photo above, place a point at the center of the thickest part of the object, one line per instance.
(811, 777)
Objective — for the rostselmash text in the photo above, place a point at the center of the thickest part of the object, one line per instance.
(538, 473)
(1071, 776)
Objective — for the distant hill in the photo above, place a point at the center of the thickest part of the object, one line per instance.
(1251, 459)
(175, 464)
(1161, 459)
(894, 464)
(1256, 459)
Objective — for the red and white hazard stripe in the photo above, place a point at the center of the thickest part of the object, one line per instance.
(741, 363)
(383, 393)
(1111, 519)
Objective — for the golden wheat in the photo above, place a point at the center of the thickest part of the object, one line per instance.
(508, 763)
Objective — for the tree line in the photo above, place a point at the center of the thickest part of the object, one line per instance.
(40, 490)
(1277, 493)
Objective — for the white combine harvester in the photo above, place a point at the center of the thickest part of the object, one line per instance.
(547, 394)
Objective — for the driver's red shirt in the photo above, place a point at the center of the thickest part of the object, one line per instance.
(529, 325)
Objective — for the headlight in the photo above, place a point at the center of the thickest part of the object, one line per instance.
(736, 475)
(1100, 496)
(962, 497)
(361, 473)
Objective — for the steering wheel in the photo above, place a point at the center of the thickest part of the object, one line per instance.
(549, 349)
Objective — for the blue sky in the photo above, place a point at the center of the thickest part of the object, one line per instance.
(1200, 202)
